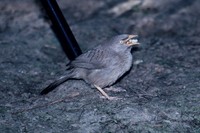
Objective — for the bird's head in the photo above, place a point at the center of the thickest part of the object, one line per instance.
(123, 41)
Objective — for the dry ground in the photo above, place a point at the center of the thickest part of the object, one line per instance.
(161, 93)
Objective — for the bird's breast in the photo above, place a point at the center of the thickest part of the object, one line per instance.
(124, 64)
(107, 76)
(118, 69)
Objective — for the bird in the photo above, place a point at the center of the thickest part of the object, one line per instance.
(101, 66)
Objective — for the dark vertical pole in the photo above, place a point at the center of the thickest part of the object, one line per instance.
(61, 27)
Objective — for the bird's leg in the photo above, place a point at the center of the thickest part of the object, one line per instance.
(103, 92)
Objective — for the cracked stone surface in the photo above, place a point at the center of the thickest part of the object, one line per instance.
(161, 93)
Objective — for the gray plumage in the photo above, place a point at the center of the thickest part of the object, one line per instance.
(102, 65)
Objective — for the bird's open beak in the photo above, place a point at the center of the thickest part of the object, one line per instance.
(131, 40)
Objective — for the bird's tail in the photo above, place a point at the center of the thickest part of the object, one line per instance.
(55, 84)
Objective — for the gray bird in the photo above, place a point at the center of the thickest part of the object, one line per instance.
(102, 65)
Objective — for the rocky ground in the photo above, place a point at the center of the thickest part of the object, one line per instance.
(161, 93)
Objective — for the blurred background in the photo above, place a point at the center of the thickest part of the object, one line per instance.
(161, 93)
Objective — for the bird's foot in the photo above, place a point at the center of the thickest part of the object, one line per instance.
(102, 92)
(105, 94)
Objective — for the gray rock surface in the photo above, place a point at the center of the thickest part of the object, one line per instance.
(161, 93)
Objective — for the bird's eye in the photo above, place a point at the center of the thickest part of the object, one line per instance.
(124, 40)
(121, 41)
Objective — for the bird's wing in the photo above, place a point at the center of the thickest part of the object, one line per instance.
(93, 59)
